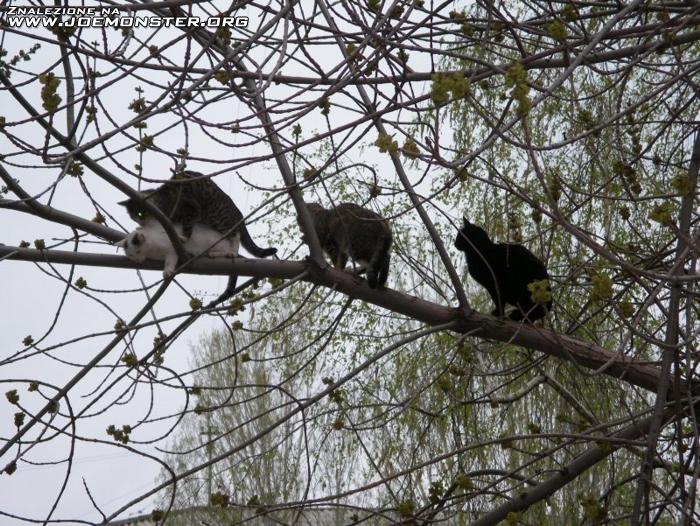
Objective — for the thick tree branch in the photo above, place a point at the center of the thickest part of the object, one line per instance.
(569, 472)
(64, 218)
(583, 354)
(669, 354)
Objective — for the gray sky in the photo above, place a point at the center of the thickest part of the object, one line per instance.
(32, 294)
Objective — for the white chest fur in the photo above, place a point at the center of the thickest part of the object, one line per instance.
(150, 241)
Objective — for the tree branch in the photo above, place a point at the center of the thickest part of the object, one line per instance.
(583, 354)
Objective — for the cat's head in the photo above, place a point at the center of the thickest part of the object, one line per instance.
(133, 245)
(470, 235)
(135, 206)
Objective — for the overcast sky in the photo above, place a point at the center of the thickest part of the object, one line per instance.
(33, 294)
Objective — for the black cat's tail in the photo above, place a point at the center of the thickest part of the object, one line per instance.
(226, 294)
(378, 266)
(251, 247)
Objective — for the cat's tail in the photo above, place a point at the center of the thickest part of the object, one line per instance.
(226, 294)
(378, 267)
(251, 247)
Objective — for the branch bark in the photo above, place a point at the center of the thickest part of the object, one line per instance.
(583, 354)
(568, 473)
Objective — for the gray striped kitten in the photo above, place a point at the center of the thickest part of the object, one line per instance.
(349, 231)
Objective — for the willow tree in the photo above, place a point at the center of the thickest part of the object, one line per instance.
(571, 128)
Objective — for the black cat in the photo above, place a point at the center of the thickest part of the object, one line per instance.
(504, 270)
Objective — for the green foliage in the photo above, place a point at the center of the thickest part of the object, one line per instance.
(586, 120)
(222, 76)
(12, 396)
(339, 424)
(50, 99)
(663, 213)
(81, 283)
(602, 287)
(224, 33)
(516, 78)
(75, 169)
(21, 55)
(410, 149)
(130, 360)
(325, 105)
(120, 326)
(681, 184)
(435, 492)
(397, 11)
(39, 244)
(570, 13)
(145, 143)
(627, 309)
(219, 499)
(119, 435)
(467, 29)
(449, 86)
(63, 32)
(592, 509)
(386, 143)
(539, 291)
(557, 30)
(138, 105)
(310, 174)
(235, 306)
(406, 508)
(464, 482)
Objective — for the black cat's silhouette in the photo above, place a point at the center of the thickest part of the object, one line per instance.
(504, 270)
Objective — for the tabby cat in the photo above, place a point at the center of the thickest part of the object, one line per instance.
(504, 270)
(349, 231)
(188, 198)
(197, 200)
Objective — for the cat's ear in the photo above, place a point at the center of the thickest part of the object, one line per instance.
(139, 238)
(143, 194)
